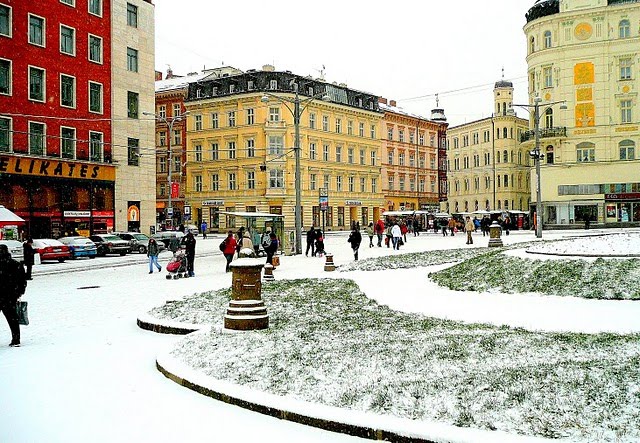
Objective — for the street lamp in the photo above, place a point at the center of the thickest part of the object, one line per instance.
(537, 156)
(169, 122)
(297, 113)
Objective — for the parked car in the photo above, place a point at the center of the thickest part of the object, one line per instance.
(193, 229)
(138, 241)
(50, 249)
(15, 249)
(110, 244)
(165, 237)
(80, 246)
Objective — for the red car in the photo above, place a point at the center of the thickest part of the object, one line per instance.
(50, 249)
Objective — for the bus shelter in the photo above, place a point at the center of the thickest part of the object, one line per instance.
(259, 223)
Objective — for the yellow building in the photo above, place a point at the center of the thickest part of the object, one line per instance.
(487, 169)
(586, 52)
(240, 139)
(410, 158)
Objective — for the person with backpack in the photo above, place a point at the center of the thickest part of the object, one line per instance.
(13, 283)
(228, 248)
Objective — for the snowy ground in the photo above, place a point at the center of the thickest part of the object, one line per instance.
(87, 372)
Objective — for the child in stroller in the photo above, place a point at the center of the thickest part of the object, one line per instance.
(319, 244)
(177, 266)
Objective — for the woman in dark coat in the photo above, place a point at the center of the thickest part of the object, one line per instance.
(12, 286)
(190, 250)
(272, 248)
(29, 254)
(355, 238)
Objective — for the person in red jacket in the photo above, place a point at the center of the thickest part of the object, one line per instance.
(230, 245)
(379, 230)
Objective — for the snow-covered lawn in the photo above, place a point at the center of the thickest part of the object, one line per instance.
(328, 343)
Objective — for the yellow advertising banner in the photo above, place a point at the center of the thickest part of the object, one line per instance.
(47, 167)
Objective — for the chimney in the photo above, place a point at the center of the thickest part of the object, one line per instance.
(392, 103)
(382, 100)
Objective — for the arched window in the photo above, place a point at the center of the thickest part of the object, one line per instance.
(476, 206)
(497, 132)
(499, 205)
(505, 156)
(505, 133)
(486, 205)
(586, 152)
(504, 109)
(548, 118)
(466, 206)
(457, 210)
(627, 150)
(532, 45)
(547, 39)
(520, 157)
(624, 29)
(506, 204)
(512, 157)
(549, 155)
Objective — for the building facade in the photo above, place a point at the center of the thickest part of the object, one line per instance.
(487, 167)
(57, 150)
(586, 53)
(240, 139)
(410, 179)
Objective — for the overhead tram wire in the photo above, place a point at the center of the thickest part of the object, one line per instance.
(458, 91)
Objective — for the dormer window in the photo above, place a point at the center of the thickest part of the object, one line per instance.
(273, 84)
(232, 88)
(215, 90)
(250, 85)
(310, 90)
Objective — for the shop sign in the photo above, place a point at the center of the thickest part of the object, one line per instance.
(43, 167)
(133, 213)
(72, 214)
(213, 203)
(175, 190)
(623, 196)
(353, 203)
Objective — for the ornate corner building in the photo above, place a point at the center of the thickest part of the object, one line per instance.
(587, 54)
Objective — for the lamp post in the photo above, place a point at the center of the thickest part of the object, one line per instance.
(537, 156)
(169, 122)
(296, 112)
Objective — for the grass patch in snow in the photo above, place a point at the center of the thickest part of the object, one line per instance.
(328, 343)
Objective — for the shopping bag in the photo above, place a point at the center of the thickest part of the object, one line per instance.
(21, 309)
(37, 259)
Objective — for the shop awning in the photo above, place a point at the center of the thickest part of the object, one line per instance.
(8, 217)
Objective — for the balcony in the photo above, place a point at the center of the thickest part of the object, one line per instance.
(544, 133)
(280, 124)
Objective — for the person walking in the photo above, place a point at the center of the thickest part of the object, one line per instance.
(404, 229)
(396, 236)
(13, 283)
(311, 239)
(369, 231)
(469, 227)
(203, 228)
(272, 248)
(319, 243)
(379, 230)
(190, 251)
(452, 225)
(29, 254)
(152, 253)
(355, 238)
(228, 247)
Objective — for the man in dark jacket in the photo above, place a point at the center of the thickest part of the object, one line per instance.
(355, 238)
(29, 254)
(311, 239)
(12, 286)
(272, 248)
(190, 250)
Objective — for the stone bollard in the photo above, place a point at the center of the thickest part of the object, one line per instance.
(495, 231)
(328, 264)
(268, 272)
(246, 311)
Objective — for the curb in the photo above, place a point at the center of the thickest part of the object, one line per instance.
(153, 324)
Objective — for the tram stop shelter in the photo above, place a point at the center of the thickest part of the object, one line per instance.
(259, 223)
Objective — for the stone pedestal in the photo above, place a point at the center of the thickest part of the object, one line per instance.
(328, 264)
(246, 311)
(495, 232)
(268, 272)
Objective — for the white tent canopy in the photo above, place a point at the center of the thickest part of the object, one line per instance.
(6, 216)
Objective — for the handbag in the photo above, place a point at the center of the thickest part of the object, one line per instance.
(23, 315)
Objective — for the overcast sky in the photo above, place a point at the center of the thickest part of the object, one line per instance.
(408, 50)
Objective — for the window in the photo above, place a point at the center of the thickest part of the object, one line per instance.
(95, 146)
(276, 178)
(548, 118)
(374, 185)
(338, 154)
(625, 111)
(339, 183)
(36, 138)
(132, 60)
(67, 143)
(36, 84)
(362, 156)
(401, 136)
(177, 137)
(401, 186)
(325, 153)
(215, 153)
(547, 74)
(532, 45)
(401, 158)
(133, 149)
(547, 39)
(95, 7)
(586, 152)
(95, 97)
(214, 120)
(162, 111)
(197, 183)
(132, 15)
(372, 131)
(251, 180)
(198, 153)
(361, 129)
(67, 91)
(338, 126)
(273, 84)
(5, 134)
(390, 182)
(177, 163)
(351, 183)
(132, 104)
(251, 147)
(625, 68)
(624, 29)
(36, 30)
(231, 147)
(274, 114)
(350, 127)
(250, 116)
(197, 122)
(390, 157)
(373, 158)
(363, 184)
(215, 182)
(162, 138)
(177, 109)
(627, 150)
(67, 40)
(390, 134)
(313, 182)
(231, 118)
(325, 123)
(276, 145)
(312, 151)
(5, 77)
(5, 20)
(312, 121)
(95, 49)
(162, 164)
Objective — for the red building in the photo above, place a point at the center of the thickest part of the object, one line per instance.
(55, 115)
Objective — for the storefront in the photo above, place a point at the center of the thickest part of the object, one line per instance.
(58, 198)
(622, 208)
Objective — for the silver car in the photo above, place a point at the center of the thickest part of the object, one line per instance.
(138, 241)
(15, 249)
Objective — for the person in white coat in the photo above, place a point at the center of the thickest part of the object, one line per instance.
(396, 234)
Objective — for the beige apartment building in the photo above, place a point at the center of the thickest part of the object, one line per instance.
(487, 168)
(132, 94)
(587, 54)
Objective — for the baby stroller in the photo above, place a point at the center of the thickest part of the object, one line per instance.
(177, 266)
(320, 246)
